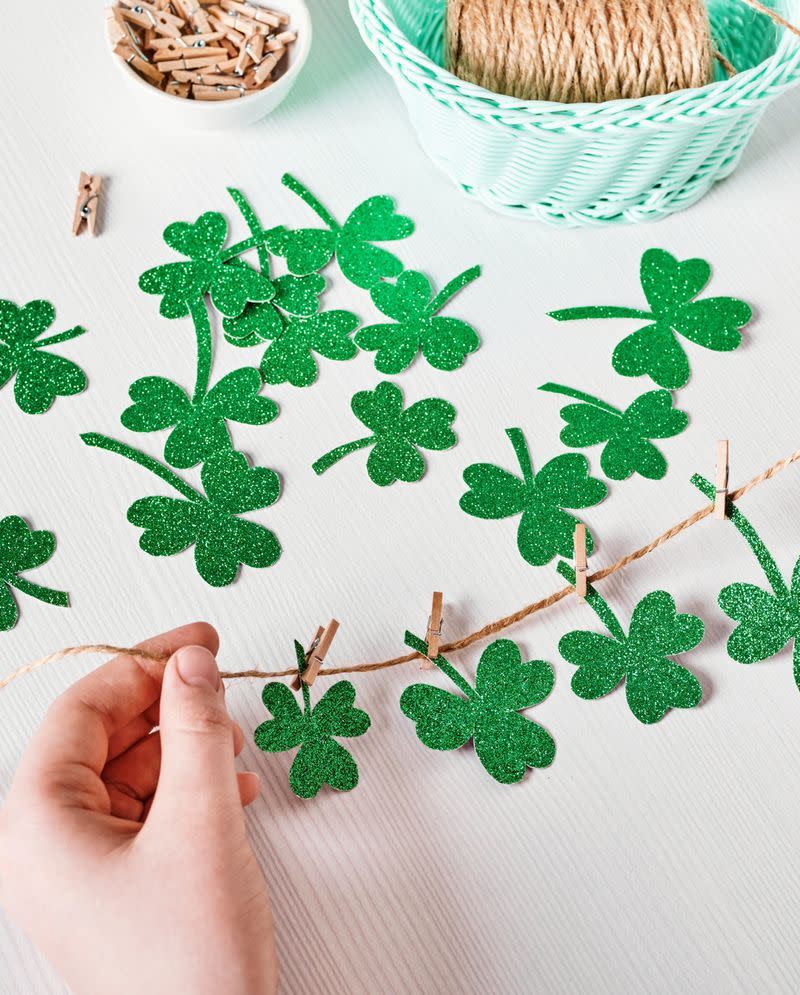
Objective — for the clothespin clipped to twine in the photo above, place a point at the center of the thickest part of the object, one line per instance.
(433, 634)
(86, 204)
(581, 565)
(315, 654)
(723, 470)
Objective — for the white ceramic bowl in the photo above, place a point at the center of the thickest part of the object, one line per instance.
(215, 115)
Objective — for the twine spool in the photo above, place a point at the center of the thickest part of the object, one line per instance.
(579, 50)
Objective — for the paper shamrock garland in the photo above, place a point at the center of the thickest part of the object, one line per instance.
(627, 433)
(397, 434)
(445, 342)
(363, 263)
(768, 621)
(320, 760)
(506, 742)
(41, 376)
(670, 287)
(21, 549)
(545, 530)
(653, 682)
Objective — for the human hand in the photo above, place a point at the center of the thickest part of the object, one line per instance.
(123, 851)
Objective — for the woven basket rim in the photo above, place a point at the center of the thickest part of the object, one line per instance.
(764, 81)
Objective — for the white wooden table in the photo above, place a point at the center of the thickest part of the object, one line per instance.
(646, 859)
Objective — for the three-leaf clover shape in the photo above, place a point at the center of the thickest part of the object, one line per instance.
(22, 548)
(445, 342)
(320, 759)
(210, 269)
(41, 376)
(396, 433)
(362, 262)
(200, 428)
(653, 682)
(545, 529)
(670, 287)
(627, 433)
(261, 322)
(506, 742)
(209, 521)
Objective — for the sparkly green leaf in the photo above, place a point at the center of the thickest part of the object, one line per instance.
(290, 356)
(23, 549)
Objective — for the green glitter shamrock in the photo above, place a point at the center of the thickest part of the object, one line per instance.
(200, 428)
(545, 530)
(653, 682)
(41, 376)
(506, 742)
(363, 263)
(259, 323)
(445, 342)
(208, 522)
(320, 760)
(670, 287)
(767, 621)
(396, 434)
(627, 433)
(23, 549)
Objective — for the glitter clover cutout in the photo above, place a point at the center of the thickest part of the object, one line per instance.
(259, 323)
(768, 621)
(627, 433)
(21, 549)
(545, 530)
(506, 742)
(41, 376)
(670, 287)
(363, 263)
(397, 434)
(320, 759)
(445, 342)
(209, 521)
(653, 682)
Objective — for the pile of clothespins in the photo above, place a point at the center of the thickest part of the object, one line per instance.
(201, 49)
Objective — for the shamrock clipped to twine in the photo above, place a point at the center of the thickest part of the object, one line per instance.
(670, 287)
(397, 434)
(627, 433)
(320, 759)
(41, 376)
(545, 530)
(22, 549)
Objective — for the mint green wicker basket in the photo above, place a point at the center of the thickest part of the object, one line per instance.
(579, 164)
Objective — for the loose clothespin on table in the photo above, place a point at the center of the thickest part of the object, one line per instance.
(433, 634)
(315, 654)
(86, 204)
(723, 469)
(581, 565)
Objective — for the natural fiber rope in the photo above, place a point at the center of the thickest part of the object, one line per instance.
(488, 630)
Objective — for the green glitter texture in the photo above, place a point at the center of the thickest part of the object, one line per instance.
(23, 549)
(396, 434)
(41, 376)
(653, 682)
(290, 357)
(545, 529)
(320, 760)
(627, 434)
(670, 287)
(506, 742)
(259, 323)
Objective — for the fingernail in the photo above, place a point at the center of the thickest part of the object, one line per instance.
(197, 667)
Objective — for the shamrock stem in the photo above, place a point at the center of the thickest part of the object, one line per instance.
(452, 288)
(578, 395)
(46, 594)
(244, 246)
(135, 456)
(326, 462)
(305, 194)
(422, 648)
(753, 539)
(796, 662)
(598, 604)
(252, 222)
(202, 329)
(306, 699)
(70, 333)
(523, 453)
(577, 313)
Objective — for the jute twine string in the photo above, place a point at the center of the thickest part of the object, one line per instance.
(459, 644)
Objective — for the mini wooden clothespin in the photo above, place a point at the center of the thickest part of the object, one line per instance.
(315, 654)
(86, 204)
(434, 632)
(723, 469)
(581, 565)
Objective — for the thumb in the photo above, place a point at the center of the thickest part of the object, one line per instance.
(198, 777)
